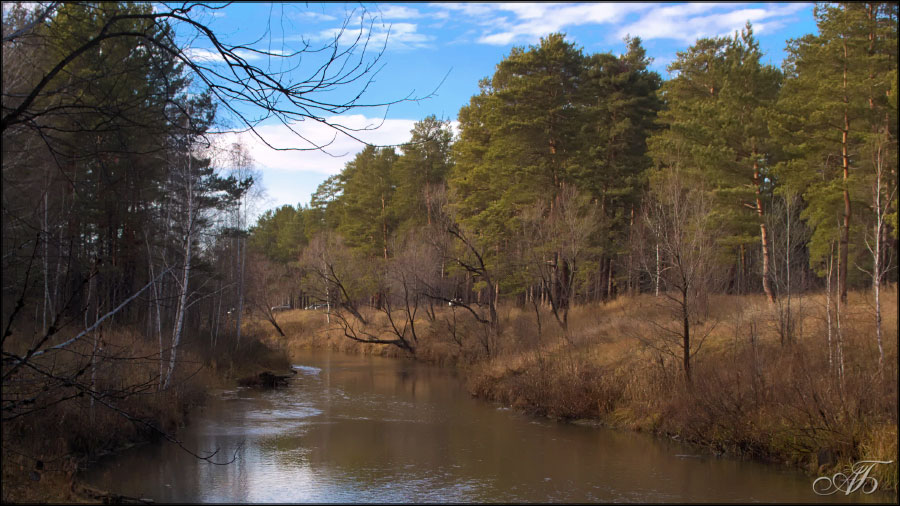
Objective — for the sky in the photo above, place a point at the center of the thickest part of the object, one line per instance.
(440, 51)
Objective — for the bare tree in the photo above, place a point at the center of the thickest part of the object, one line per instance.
(336, 277)
(678, 215)
(789, 236)
(189, 191)
(462, 266)
(408, 277)
(884, 192)
(266, 288)
(241, 171)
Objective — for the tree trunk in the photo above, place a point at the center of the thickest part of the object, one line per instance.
(185, 278)
(384, 226)
(275, 324)
(686, 337)
(828, 307)
(787, 265)
(657, 269)
(218, 316)
(845, 163)
(98, 336)
(240, 309)
(609, 279)
(44, 238)
(492, 305)
(840, 344)
(878, 335)
(763, 236)
(554, 279)
(876, 254)
(632, 285)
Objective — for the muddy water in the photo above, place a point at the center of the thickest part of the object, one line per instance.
(367, 429)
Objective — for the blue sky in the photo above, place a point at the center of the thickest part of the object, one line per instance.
(464, 42)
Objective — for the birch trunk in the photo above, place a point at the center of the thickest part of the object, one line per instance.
(828, 307)
(657, 269)
(185, 277)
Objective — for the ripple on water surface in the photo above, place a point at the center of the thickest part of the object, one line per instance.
(307, 369)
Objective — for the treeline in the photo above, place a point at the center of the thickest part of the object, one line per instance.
(578, 178)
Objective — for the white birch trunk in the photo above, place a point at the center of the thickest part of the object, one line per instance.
(828, 308)
(877, 267)
(185, 278)
(657, 269)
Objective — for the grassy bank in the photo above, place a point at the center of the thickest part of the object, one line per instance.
(757, 392)
(43, 452)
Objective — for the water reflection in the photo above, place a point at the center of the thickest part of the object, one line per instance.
(365, 429)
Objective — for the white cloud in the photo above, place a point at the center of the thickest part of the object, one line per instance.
(315, 16)
(507, 23)
(688, 22)
(399, 36)
(339, 151)
(398, 12)
(498, 39)
(534, 20)
(405, 35)
(468, 9)
(202, 55)
(249, 55)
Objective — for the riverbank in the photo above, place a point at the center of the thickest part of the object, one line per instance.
(758, 391)
(42, 455)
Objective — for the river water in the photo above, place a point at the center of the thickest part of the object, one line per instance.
(368, 429)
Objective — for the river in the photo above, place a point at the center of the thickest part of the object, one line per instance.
(368, 429)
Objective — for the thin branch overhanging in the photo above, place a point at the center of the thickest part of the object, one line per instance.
(246, 83)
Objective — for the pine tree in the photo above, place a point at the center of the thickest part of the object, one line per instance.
(621, 104)
(367, 220)
(832, 101)
(718, 105)
(420, 170)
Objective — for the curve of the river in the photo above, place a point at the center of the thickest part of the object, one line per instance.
(368, 429)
